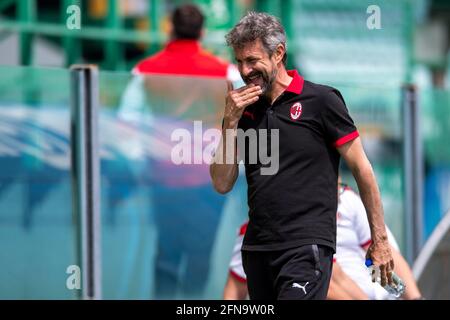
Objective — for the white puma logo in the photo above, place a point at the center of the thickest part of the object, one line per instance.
(296, 285)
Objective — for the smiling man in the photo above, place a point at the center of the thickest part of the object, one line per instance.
(291, 236)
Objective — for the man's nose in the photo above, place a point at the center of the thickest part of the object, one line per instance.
(246, 69)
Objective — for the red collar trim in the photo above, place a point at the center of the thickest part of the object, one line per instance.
(296, 85)
(184, 46)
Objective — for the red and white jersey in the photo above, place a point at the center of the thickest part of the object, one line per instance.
(187, 58)
(179, 58)
(236, 269)
(353, 234)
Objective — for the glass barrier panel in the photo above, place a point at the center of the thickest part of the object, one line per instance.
(37, 231)
(166, 233)
(376, 112)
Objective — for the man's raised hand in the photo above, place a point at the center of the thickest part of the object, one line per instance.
(236, 102)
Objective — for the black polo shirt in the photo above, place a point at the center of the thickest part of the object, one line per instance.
(297, 205)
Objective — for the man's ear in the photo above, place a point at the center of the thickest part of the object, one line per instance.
(279, 53)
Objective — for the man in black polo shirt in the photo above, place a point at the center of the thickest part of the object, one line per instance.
(291, 236)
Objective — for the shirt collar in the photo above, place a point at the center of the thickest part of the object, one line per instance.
(185, 46)
(296, 85)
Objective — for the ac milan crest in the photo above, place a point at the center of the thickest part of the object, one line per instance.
(296, 110)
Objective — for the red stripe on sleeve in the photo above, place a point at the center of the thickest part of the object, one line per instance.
(237, 277)
(366, 243)
(243, 229)
(347, 138)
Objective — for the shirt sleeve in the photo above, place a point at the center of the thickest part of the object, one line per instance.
(338, 125)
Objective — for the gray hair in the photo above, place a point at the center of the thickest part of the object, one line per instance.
(257, 25)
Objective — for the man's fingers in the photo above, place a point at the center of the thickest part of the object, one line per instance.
(253, 100)
(242, 104)
(239, 90)
(389, 276)
(246, 100)
(250, 94)
(245, 91)
(390, 270)
(383, 275)
(238, 100)
(250, 87)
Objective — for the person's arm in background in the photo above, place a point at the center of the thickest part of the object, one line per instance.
(403, 270)
(235, 289)
(342, 287)
(379, 250)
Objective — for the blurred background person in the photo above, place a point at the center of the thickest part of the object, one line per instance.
(353, 239)
(183, 56)
(342, 287)
(236, 284)
(177, 81)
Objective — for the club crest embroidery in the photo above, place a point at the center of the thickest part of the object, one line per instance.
(296, 111)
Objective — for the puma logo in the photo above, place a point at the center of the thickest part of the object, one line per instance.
(296, 285)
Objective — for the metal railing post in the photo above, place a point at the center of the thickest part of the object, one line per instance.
(113, 49)
(85, 171)
(413, 172)
(26, 12)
